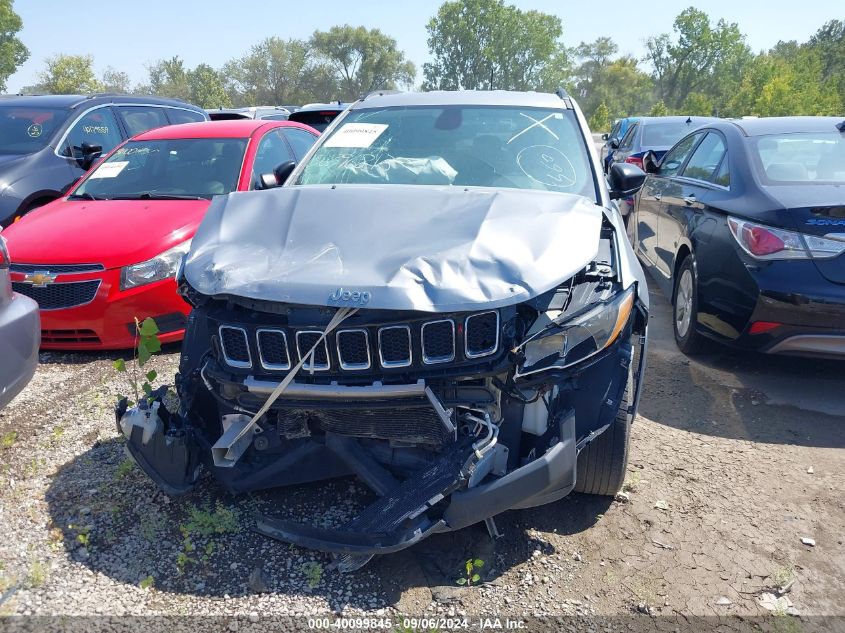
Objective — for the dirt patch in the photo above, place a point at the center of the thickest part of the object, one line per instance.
(718, 499)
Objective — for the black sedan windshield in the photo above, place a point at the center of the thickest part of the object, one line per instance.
(179, 168)
(521, 148)
(24, 130)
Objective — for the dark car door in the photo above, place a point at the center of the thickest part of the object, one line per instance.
(625, 145)
(686, 196)
(651, 199)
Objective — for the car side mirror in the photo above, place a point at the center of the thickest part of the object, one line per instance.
(651, 164)
(614, 143)
(90, 153)
(605, 136)
(279, 176)
(625, 180)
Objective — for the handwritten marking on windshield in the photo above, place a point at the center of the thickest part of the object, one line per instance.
(540, 123)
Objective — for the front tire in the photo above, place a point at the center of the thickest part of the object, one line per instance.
(685, 308)
(602, 464)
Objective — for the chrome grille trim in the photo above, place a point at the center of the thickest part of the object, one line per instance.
(272, 366)
(433, 360)
(487, 352)
(393, 364)
(313, 365)
(353, 366)
(229, 361)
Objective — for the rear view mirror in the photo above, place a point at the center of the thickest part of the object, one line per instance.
(279, 176)
(650, 163)
(625, 180)
(90, 153)
(614, 143)
(605, 136)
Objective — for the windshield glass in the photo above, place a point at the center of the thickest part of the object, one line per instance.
(665, 134)
(520, 148)
(27, 130)
(197, 168)
(807, 157)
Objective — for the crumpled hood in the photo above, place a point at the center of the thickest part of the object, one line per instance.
(427, 248)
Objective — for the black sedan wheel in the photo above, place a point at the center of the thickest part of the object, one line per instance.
(685, 308)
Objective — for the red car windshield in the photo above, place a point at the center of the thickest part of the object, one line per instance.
(169, 169)
(27, 130)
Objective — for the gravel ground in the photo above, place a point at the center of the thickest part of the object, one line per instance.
(728, 472)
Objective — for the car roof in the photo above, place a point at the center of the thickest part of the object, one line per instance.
(236, 128)
(701, 120)
(787, 124)
(72, 101)
(462, 97)
(334, 106)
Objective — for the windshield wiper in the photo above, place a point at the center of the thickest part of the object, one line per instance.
(151, 195)
(85, 196)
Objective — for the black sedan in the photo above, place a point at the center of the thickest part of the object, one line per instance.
(742, 224)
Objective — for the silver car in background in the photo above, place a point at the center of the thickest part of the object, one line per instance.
(20, 334)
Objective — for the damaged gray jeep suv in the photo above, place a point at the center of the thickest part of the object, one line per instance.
(440, 300)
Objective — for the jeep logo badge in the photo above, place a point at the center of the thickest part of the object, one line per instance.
(350, 296)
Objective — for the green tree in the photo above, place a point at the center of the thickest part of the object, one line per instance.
(115, 81)
(600, 121)
(697, 103)
(169, 78)
(479, 44)
(68, 74)
(618, 83)
(829, 43)
(276, 72)
(363, 60)
(700, 58)
(659, 109)
(777, 85)
(207, 89)
(12, 51)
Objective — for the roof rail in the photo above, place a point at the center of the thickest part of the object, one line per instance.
(561, 93)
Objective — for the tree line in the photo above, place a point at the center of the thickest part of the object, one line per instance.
(702, 67)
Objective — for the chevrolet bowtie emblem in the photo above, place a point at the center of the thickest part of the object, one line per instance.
(40, 278)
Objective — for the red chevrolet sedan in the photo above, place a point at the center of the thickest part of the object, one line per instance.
(106, 253)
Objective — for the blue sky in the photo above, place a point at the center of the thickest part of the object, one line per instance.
(129, 34)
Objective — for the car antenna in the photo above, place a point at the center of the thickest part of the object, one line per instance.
(689, 120)
(841, 126)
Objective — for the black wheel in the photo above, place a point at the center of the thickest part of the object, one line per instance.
(685, 308)
(603, 462)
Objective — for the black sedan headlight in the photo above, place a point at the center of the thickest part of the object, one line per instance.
(563, 343)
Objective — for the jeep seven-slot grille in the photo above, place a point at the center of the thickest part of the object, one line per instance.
(395, 346)
(305, 340)
(392, 346)
(235, 346)
(438, 341)
(273, 349)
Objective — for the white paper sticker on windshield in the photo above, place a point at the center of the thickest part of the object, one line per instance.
(356, 135)
(110, 170)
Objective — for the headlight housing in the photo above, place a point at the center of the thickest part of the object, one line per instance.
(159, 267)
(565, 343)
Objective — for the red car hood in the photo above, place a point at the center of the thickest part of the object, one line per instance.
(110, 232)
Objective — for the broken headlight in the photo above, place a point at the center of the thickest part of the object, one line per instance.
(159, 267)
(562, 343)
